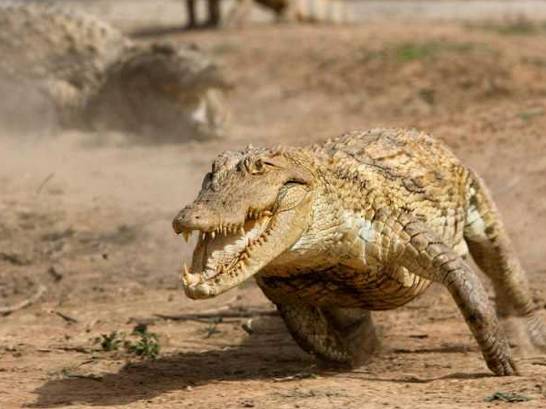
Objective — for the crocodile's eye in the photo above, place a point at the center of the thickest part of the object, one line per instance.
(258, 167)
(253, 167)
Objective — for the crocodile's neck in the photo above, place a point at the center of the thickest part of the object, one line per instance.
(338, 218)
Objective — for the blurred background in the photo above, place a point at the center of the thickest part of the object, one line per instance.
(109, 121)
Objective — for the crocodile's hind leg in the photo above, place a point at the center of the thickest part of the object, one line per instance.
(335, 335)
(491, 249)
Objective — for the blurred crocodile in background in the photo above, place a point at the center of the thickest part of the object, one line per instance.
(61, 68)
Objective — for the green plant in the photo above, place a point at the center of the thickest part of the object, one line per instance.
(110, 342)
(140, 342)
(147, 344)
(507, 397)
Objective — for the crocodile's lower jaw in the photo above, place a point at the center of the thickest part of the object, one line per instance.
(199, 291)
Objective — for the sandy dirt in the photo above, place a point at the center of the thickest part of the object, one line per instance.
(87, 217)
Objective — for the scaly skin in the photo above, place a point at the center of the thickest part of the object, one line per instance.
(92, 75)
(363, 222)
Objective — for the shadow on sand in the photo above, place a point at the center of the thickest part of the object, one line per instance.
(261, 356)
(267, 355)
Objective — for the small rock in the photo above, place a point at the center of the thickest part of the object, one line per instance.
(56, 272)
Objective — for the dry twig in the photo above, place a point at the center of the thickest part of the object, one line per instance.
(25, 303)
(44, 182)
(221, 313)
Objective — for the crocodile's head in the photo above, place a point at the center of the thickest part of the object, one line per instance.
(174, 69)
(253, 206)
(165, 90)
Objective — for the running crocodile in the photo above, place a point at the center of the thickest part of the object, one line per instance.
(366, 221)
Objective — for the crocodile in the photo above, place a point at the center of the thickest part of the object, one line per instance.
(362, 222)
(73, 70)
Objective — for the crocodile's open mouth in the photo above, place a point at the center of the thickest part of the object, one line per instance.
(226, 256)
(228, 253)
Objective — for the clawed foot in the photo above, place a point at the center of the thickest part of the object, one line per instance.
(529, 331)
(503, 365)
(498, 355)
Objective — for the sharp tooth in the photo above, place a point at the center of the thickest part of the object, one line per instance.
(213, 234)
(187, 278)
(186, 235)
(242, 230)
(267, 213)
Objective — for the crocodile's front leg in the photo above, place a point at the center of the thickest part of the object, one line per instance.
(490, 247)
(335, 335)
(423, 253)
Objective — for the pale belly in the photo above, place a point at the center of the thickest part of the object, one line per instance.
(344, 287)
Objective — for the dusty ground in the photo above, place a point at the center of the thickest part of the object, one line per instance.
(88, 218)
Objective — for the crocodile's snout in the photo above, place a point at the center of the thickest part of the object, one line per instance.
(194, 217)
